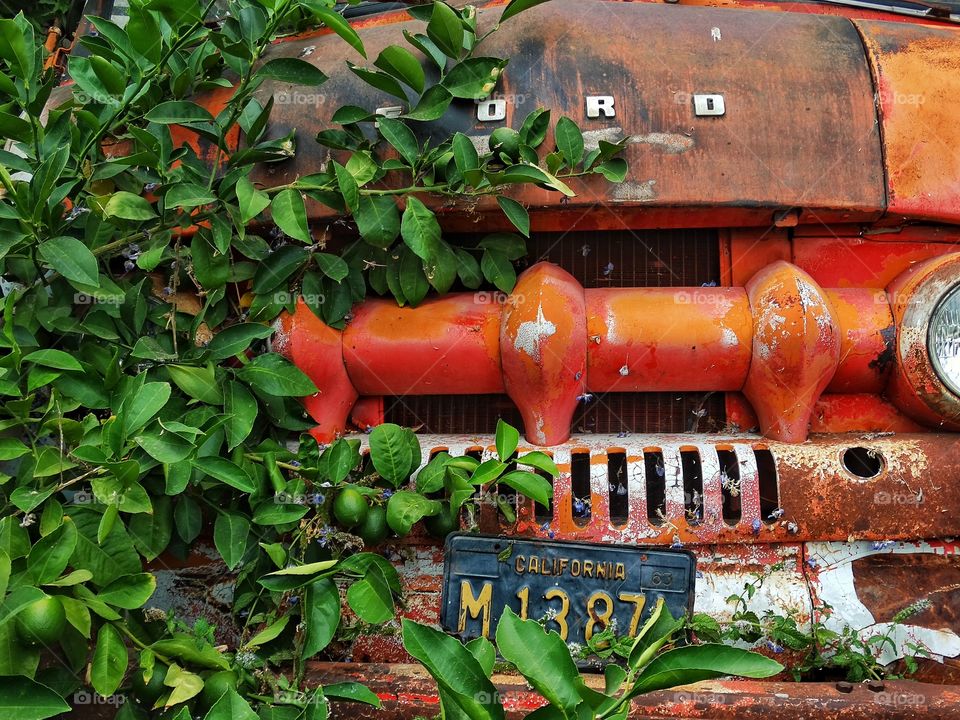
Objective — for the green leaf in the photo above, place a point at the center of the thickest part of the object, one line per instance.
(352, 691)
(278, 267)
(226, 472)
(50, 555)
(507, 438)
(231, 706)
(308, 569)
(26, 699)
(530, 485)
(230, 532)
(271, 632)
(273, 374)
(655, 632)
(109, 661)
(107, 560)
(165, 446)
(465, 689)
(11, 449)
(235, 339)
(241, 408)
(543, 659)
(72, 259)
(432, 104)
(419, 228)
(187, 195)
(405, 509)
(483, 650)
(144, 405)
(176, 112)
(250, 200)
(292, 70)
(516, 214)
(403, 140)
(391, 453)
(380, 80)
(339, 459)
(130, 591)
(468, 269)
(498, 270)
(614, 170)
(290, 214)
(446, 29)
(430, 478)
(693, 663)
(534, 129)
(378, 220)
(321, 607)
(185, 684)
(54, 359)
(370, 597)
(464, 153)
(151, 532)
(569, 141)
(188, 519)
(474, 78)
(540, 461)
(413, 280)
(191, 651)
(515, 7)
(337, 23)
(198, 382)
(128, 206)
(401, 64)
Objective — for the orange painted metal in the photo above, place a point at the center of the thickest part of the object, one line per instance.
(782, 340)
(678, 338)
(917, 74)
(796, 349)
(317, 349)
(543, 350)
(445, 345)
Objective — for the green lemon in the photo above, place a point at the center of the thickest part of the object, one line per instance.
(149, 692)
(374, 529)
(350, 508)
(443, 523)
(215, 685)
(505, 141)
(42, 622)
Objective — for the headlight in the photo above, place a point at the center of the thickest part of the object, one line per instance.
(943, 340)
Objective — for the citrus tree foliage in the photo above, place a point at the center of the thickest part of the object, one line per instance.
(140, 407)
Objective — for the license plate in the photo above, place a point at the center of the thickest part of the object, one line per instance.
(579, 588)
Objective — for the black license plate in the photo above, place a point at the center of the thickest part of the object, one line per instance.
(579, 587)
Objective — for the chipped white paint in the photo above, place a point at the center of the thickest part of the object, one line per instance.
(592, 138)
(481, 143)
(728, 338)
(635, 191)
(533, 332)
(624, 370)
(837, 588)
(671, 143)
(715, 34)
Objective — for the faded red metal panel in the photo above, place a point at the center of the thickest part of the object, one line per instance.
(785, 78)
(917, 72)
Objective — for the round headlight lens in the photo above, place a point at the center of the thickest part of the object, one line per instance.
(943, 340)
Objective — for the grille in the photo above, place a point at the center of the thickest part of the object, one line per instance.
(650, 258)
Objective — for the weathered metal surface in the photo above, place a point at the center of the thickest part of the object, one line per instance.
(785, 79)
(782, 340)
(811, 491)
(917, 73)
(796, 349)
(406, 692)
(915, 386)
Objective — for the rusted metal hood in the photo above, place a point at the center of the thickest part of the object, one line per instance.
(799, 127)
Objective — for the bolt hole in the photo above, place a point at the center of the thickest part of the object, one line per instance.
(862, 462)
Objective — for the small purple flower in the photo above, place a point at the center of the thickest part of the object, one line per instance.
(676, 544)
(293, 599)
(586, 397)
(712, 283)
(882, 544)
(774, 647)
(608, 269)
(387, 494)
(551, 534)
(168, 290)
(295, 463)
(756, 527)
(578, 505)
(129, 265)
(150, 187)
(622, 434)
(776, 514)
(317, 499)
(811, 563)
(368, 429)
(545, 526)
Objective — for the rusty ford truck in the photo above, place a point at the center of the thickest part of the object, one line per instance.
(748, 350)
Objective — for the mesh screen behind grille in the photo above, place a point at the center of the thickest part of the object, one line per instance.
(650, 258)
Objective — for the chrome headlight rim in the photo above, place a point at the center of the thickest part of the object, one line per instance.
(952, 294)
